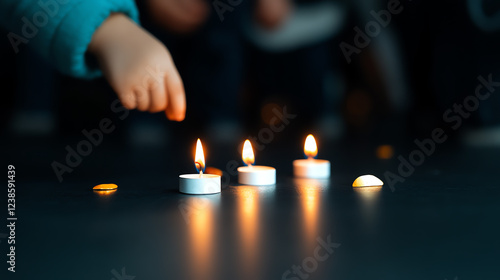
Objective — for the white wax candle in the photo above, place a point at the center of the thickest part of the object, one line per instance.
(199, 183)
(256, 175)
(311, 168)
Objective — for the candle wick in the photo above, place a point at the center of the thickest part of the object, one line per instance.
(201, 173)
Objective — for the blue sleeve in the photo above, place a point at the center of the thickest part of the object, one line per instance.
(60, 30)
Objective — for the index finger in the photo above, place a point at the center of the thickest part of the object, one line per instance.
(176, 109)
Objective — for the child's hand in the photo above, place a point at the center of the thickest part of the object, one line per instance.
(270, 14)
(138, 67)
(180, 16)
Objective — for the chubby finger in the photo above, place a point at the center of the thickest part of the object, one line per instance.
(158, 96)
(128, 99)
(142, 98)
(176, 109)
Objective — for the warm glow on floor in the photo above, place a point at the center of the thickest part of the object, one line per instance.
(248, 216)
(104, 192)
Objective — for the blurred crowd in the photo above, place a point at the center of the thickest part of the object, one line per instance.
(240, 61)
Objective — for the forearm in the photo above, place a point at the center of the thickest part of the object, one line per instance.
(60, 30)
(118, 31)
(110, 35)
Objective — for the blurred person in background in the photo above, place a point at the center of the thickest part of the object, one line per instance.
(286, 53)
(291, 62)
(443, 48)
(421, 61)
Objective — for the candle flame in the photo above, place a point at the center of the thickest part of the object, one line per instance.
(310, 147)
(199, 158)
(248, 156)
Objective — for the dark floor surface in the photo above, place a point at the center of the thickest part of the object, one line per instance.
(441, 223)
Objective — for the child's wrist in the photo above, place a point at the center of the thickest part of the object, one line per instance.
(105, 36)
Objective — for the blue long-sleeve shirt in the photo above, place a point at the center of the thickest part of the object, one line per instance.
(60, 30)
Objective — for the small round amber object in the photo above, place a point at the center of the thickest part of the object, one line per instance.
(105, 187)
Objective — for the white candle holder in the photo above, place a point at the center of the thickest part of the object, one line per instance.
(199, 184)
(311, 168)
(256, 175)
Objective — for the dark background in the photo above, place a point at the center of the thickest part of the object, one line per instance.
(440, 223)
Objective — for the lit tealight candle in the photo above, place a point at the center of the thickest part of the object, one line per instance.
(311, 168)
(199, 183)
(254, 174)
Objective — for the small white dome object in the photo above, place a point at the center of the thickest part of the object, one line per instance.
(367, 181)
